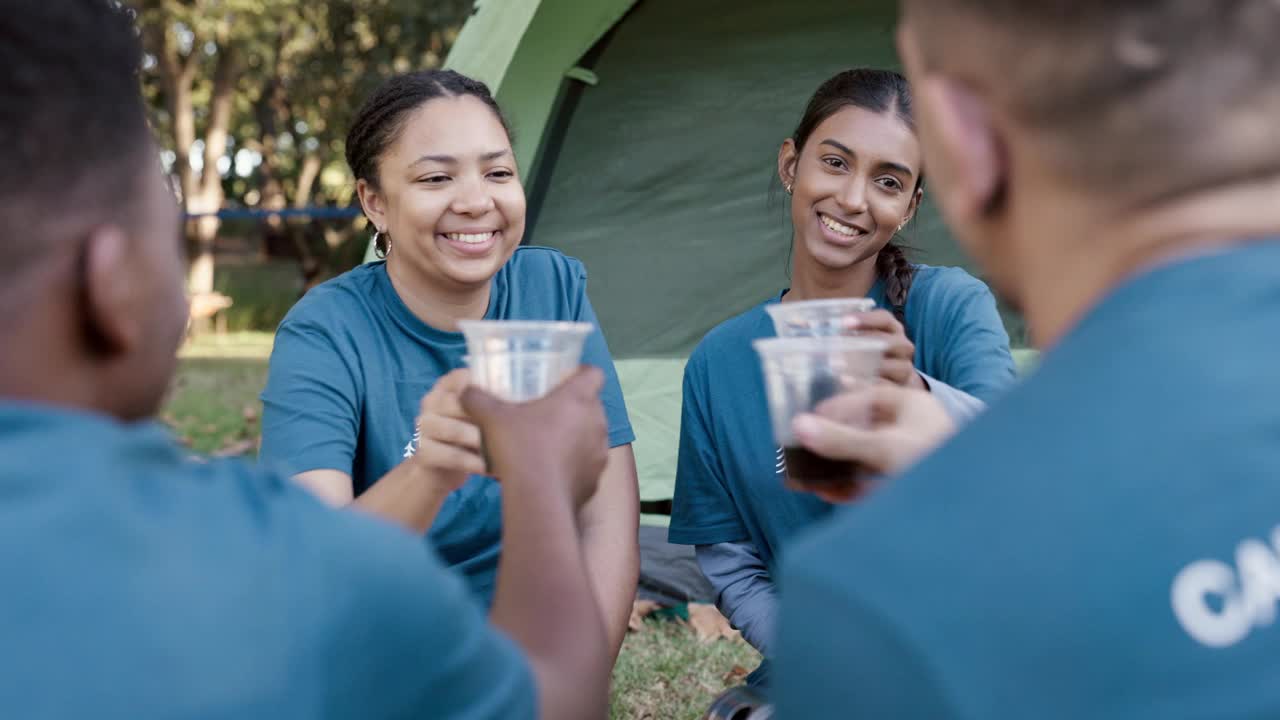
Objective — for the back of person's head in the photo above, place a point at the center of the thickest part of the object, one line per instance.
(1076, 142)
(1146, 99)
(90, 255)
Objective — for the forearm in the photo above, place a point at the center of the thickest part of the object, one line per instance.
(745, 592)
(545, 602)
(960, 405)
(610, 525)
(406, 496)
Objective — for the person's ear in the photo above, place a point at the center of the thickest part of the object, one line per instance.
(787, 159)
(916, 198)
(112, 313)
(969, 148)
(374, 204)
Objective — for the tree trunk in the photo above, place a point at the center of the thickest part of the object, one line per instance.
(208, 198)
(307, 174)
(306, 179)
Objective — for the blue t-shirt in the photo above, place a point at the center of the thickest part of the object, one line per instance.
(1102, 543)
(140, 585)
(729, 484)
(351, 364)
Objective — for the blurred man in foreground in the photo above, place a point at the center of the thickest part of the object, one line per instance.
(139, 585)
(1103, 542)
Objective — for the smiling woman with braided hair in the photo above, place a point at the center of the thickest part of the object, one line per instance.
(362, 403)
(853, 171)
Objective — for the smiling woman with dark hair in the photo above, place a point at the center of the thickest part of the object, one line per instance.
(853, 171)
(361, 402)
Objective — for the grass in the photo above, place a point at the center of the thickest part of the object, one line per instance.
(663, 671)
(213, 403)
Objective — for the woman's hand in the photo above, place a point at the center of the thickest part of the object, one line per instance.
(449, 442)
(898, 366)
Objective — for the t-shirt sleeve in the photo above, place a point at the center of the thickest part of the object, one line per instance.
(745, 591)
(702, 511)
(596, 352)
(311, 405)
(837, 657)
(417, 645)
(975, 356)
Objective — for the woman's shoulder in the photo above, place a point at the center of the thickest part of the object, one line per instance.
(942, 285)
(734, 336)
(336, 297)
(536, 259)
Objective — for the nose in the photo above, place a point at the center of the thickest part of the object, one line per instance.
(852, 197)
(472, 198)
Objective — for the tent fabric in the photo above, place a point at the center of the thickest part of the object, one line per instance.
(652, 388)
(665, 183)
(524, 49)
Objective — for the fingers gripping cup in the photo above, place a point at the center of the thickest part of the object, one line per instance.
(817, 318)
(519, 360)
(799, 374)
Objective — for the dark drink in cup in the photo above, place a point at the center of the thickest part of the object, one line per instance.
(801, 373)
(809, 468)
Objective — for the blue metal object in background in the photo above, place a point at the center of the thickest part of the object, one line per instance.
(316, 213)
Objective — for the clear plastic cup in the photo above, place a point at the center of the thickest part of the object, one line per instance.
(521, 360)
(817, 318)
(521, 376)
(800, 373)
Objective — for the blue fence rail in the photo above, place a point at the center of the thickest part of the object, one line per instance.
(315, 213)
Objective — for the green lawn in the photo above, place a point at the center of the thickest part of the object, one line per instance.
(663, 672)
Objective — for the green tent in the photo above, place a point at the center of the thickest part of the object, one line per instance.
(647, 133)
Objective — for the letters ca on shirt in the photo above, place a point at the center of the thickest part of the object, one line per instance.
(1219, 604)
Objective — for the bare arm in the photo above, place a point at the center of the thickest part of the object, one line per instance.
(550, 455)
(610, 527)
(414, 491)
(405, 495)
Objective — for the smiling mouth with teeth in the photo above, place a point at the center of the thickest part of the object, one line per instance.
(840, 227)
(470, 238)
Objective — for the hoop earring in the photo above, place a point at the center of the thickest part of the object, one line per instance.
(378, 235)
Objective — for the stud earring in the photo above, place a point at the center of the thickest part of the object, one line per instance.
(788, 188)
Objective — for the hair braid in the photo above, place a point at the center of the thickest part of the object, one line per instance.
(897, 272)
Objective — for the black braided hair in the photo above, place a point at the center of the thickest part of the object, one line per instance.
(879, 91)
(897, 272)
(383, 114)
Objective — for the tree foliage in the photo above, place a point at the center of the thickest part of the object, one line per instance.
(252, 98)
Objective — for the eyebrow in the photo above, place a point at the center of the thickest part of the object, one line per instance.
(891, 165)
(452, 160)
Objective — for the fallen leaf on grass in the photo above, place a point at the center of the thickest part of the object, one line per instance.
(736, 675)
(239, 447)
(640, 609)
(708, 624)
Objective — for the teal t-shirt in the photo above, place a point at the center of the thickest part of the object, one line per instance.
(351, 364)
(1104, 542)
(729, 484)
(141, 585)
